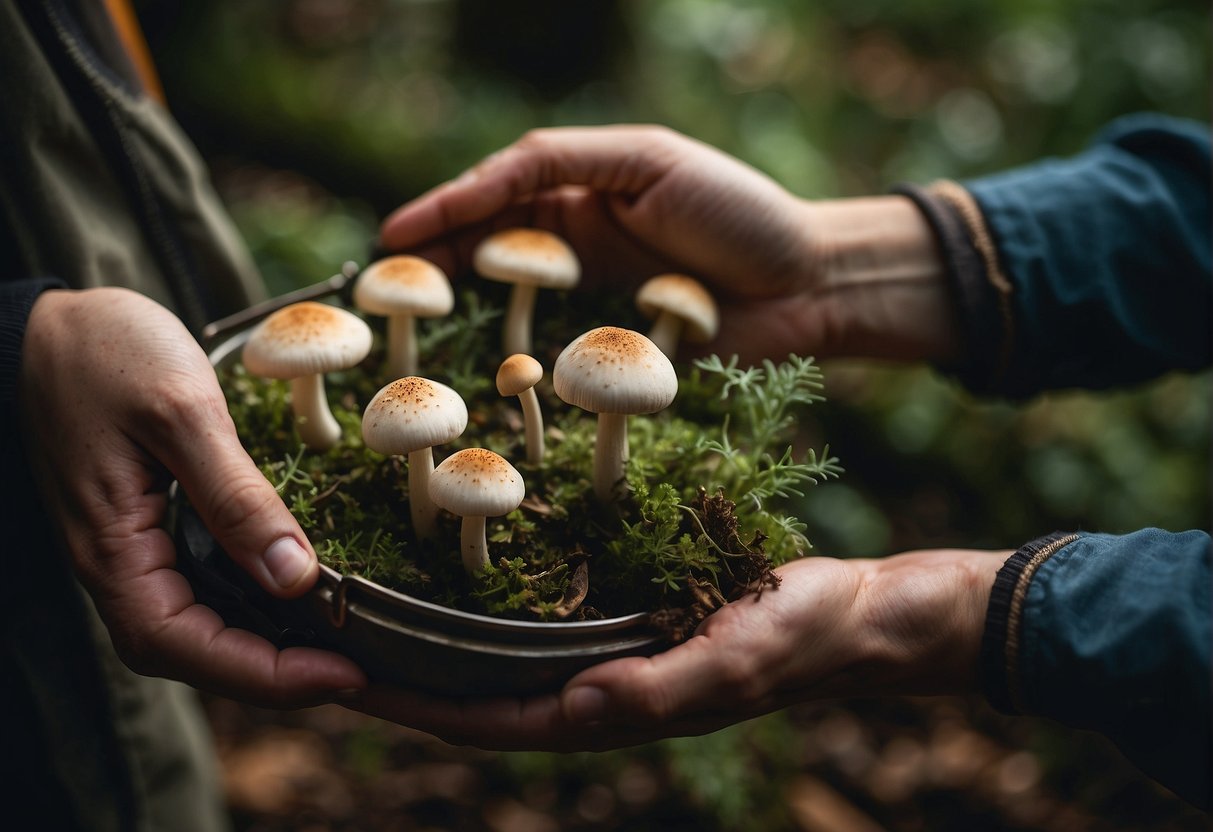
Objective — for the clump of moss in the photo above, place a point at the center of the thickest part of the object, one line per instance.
(701, 526)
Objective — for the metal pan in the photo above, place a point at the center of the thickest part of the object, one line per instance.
(395, 638)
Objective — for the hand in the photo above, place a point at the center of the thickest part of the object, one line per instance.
(909, 624)
(117, 400)
(852, 277)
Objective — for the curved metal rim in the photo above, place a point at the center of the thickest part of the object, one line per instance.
(341, 585)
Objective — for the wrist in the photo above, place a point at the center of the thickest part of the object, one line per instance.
(882, 276)
(920, 618)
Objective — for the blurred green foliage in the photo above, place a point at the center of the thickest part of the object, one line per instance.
(321, 115)
(385, 98)
(324, 114)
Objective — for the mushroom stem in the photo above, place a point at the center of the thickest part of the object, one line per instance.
(516, 337)
(421, 508)
(313, 419)
(666, 331)
(472, 544)
(402, 345)
(533, 419)
(610, 456)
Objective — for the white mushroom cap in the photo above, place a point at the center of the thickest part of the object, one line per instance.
(518, 373)
(302, 342)
(404, 284)
(613, 370)
(413, 413)
(305, 339)
(531, 260)
(685, 298)
(403, 288)
(476, 482)
(410, 416)
(527, 256)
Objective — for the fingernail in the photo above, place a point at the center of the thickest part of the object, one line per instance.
(585, 705)
(287, 561)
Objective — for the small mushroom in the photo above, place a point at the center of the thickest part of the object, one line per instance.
(476, 483)
(529, 259)
(302, 342)
(682, 309)
(517, 376)
(615, 373)
(403, 288)
(410, 416)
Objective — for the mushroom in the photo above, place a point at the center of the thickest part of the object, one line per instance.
(517, 376)
(615, 373)
(403, 288)
(476, 483)
(530, 259)
(410, 416)
(682, 307)
(302, 342)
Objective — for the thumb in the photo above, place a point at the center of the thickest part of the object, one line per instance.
(691, 678)
(239, 506)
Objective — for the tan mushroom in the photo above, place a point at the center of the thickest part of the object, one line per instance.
(682, 309)
(408, 417)
(302, 342)
(517, 376)
(530, 259)
(403, 288)
(615, 373)
(476, 483)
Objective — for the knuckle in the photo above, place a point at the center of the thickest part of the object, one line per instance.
(133, 647)
(741, 680)
(661, 136)
(661, 132)
(172, 408)
(656, 702)
(238, 501)
(534, 139)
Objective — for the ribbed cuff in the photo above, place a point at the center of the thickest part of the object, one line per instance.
(977, 300)
(1000, 641)
(16, 301)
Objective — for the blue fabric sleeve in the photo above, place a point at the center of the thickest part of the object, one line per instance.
(1109, 256)
(1114, 633)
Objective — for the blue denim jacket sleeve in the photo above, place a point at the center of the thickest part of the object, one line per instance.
(1112, 633)
(1107, 259)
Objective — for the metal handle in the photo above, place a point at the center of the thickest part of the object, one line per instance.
(246, 317)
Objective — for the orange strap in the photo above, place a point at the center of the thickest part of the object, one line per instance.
(127, 26)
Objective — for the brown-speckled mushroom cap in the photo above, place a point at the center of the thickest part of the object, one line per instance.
(413, 413)
(518, 373)
(614, 370)
(528, 256)
(476, 482)
(404, 285)
(685, 298)
(304, 339)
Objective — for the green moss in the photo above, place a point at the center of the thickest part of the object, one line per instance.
(703, 523)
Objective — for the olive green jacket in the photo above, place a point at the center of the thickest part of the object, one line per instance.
(98, 186)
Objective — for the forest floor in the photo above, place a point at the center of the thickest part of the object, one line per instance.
(910, 765)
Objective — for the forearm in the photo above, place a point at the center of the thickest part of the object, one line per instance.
(882, 280)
